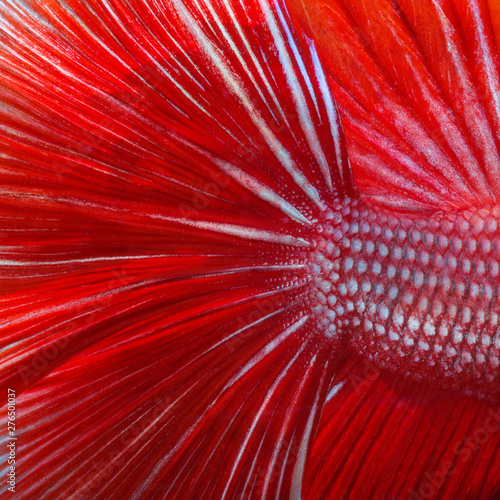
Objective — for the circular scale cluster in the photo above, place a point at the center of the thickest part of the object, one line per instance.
(414, 293)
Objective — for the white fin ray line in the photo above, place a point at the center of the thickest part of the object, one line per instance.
(273, 142)
(262, 407)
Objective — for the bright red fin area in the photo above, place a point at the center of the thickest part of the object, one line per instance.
(162, 174)
(417, 85)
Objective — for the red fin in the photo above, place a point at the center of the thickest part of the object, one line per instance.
(159, 192)
(214, 412)
(380, 438)
(143, 149)
(420, 124)
(179, 113)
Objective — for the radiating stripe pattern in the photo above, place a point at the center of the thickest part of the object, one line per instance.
(417, 85)
(164, 166)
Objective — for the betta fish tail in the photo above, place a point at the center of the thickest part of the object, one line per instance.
(160, 314)
(188, 274)
(406, 439)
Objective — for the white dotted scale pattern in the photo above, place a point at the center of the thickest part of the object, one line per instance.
(415, 293)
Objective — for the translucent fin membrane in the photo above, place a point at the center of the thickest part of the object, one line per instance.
(163, 168)
(417, 86)
(426, 444)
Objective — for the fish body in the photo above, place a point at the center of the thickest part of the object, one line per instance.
(416, 293)
(246, 245)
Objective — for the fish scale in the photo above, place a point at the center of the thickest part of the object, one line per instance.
(414, 292)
